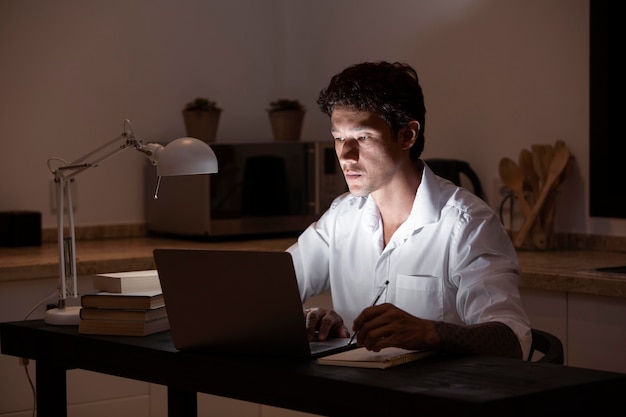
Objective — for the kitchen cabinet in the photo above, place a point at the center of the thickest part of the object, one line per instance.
(592, 328)
(597, 332)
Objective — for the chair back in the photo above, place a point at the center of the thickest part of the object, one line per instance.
(548, 345)
(456, 170)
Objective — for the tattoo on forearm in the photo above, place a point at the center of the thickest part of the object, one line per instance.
(492, 338)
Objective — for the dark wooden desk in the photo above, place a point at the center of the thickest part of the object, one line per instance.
(435, 386)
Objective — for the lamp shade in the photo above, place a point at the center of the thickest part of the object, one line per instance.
(186, 156)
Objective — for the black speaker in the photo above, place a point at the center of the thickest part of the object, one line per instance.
(20, 228)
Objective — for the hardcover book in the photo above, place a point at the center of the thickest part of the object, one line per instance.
(124, 282)
(122, 314)
(130, 301)
(123, 327)
(363, 358)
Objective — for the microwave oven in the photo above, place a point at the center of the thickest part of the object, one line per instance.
(267, 188)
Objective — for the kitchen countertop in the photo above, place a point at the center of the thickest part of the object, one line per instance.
(557, 270)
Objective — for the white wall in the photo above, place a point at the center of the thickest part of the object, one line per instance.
(498, 76)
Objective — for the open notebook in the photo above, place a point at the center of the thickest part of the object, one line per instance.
(242, 302)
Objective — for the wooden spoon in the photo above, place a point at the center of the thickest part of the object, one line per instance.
(550, 203)
(528, 170)
(512, 176)
(557, 165)
(541, 155)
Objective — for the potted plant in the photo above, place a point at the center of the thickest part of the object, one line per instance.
(201, 119)
(286, 118)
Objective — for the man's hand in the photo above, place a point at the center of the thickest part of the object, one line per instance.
(322, 323)
(386, 325)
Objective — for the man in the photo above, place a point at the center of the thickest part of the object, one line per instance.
(451, 270)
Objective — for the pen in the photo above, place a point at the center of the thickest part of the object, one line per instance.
(379, 294)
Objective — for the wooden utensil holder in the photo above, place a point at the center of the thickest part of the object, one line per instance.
(551, 166)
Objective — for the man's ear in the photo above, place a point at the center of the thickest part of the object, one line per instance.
(409, 134)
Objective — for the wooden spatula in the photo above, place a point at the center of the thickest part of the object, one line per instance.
(557, 165)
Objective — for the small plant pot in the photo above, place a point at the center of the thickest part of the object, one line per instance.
(287, 124)
(202, 124)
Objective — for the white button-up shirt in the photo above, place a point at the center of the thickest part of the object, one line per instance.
(451, 260)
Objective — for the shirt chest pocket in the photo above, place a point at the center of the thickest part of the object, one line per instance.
(420, 295)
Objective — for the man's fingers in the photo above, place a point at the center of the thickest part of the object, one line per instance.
(313, 317)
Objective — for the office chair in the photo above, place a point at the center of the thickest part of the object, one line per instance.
(548, 345)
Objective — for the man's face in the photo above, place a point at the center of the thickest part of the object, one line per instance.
(368, 154)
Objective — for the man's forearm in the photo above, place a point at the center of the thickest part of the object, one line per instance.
(492, 338)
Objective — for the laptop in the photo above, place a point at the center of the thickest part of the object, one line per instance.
(239, 302)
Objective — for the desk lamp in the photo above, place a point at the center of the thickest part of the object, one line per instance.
(183, 156)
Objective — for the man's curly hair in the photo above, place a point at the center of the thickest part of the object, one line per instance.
(390, 90)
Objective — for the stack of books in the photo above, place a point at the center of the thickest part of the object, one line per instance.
(125, 304)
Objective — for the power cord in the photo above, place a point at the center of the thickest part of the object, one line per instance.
(25, 361)
(43, 300)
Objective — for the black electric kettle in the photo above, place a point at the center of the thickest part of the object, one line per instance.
(453, 170)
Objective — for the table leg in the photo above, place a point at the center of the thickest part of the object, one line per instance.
(181, 403)
(51, 389)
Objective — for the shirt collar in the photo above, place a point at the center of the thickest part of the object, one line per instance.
(426, 204)
(425, 208)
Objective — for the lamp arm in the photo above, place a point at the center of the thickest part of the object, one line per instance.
(70, 170)
(74, 168)
(66, 244)
(63, 177)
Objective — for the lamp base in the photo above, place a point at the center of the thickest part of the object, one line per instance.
(68, 316)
